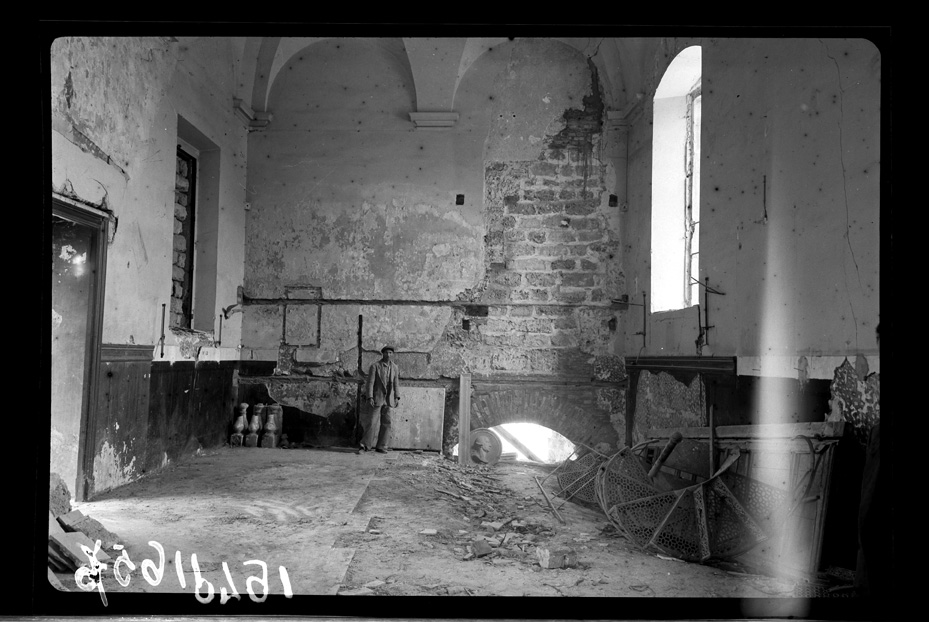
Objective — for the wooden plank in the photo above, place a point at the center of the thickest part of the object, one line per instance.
(464, 419)
(826, 429)
(124, 353)
(515, 442)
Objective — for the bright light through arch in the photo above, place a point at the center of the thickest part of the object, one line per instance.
(544, 443)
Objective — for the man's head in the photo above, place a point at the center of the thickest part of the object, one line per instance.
(387, 352)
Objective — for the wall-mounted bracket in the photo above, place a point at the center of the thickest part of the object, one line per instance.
(707, 290)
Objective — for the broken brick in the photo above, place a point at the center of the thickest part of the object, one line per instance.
(68, 545)
(562, 558)
(69, 520)
(480, 548)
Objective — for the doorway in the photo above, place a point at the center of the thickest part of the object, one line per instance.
(78, 262)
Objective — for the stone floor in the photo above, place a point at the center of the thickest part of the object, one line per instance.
(327, 522)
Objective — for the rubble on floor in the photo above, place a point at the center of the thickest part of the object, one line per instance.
(69, 531)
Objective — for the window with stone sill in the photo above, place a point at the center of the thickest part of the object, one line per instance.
(675, 240)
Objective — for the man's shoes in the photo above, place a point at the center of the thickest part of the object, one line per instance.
(381, 450)
(363, 447)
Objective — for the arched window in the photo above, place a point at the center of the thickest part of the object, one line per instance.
(676, 184)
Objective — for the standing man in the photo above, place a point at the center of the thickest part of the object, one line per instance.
(383, 391)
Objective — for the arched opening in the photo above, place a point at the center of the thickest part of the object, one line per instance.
(530, 442)
(676, 184)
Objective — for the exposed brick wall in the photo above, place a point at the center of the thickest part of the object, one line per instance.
(550, 243)
(183, 219)
(581, 414)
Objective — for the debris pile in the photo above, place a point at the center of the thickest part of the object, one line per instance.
(69, 530)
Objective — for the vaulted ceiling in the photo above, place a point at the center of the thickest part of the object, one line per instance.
(437, 64)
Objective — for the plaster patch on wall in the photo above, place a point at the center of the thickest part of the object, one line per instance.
(662, 401)
(56, 319)
(855, 401)
(190, 341)
(595, 335)
(319, 398)
(378, 250)
(92, 77)
(109, 469)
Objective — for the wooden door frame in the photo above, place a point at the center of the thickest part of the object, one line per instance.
(98, 221)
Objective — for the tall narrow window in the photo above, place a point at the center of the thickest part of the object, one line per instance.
(676, 184)
(182, 276)
(692, 201)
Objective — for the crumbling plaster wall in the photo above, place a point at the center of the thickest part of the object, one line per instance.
(789, 205)
(115, 103)
(346, 196)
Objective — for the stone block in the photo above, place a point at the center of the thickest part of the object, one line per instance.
(251, 440)
(269, 441)
(236, 440)
(589, 235)
(68, 545)
(577, 280)
(562, 558)
(585, 223)
(570, 297)
(540, 195)
(580, 208)
(301, 292)
(544, 169)
(69, 520)
(480, 548)
(564, 340)
(521, 208)
(59, 497)
(76, 522)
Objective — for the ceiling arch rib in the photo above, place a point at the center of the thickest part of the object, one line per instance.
(434, 62)
(254, 80)
(438, 65)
